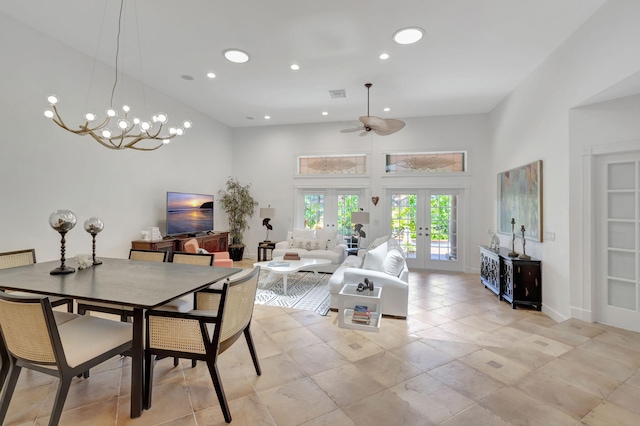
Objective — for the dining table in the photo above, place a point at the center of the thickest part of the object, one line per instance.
(136, 284)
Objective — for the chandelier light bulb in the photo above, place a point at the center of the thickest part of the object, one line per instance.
(166, 141)
(179, 131)
(48, 113)
(123, 124)
(106, 133)
(125, 108)
(136, 120)
(162, 117)
(53, 99)
(90, 116)
(145, 125)
(172, 130)
(111, 112)
(186, 124)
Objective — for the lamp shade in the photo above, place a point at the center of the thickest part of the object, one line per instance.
(267, 212)
(360, 217)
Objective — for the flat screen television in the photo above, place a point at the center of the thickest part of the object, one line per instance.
(189, 213)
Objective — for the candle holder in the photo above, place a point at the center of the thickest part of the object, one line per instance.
(93, 225)
(524, 242)
(513, 239)
(62, 221)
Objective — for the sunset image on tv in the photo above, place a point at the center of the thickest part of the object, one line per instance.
(189, 213)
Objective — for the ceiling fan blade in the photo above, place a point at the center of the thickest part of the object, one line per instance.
(364, 133)
(373, 122)
(391, 126)
(355, 129)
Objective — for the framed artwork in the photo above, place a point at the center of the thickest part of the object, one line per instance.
(520, 198)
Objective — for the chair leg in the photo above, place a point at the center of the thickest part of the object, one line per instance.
(81, 309)
(149, 361)
(194, 363)
(5, 363)
(61, 397)
(217, 384)
(176, 361)
(252, 350)
(8, 391)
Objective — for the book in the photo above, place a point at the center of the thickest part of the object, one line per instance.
(360, 308)
(276, 263)
(291, 256)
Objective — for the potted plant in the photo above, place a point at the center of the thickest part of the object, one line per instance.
(239, 205)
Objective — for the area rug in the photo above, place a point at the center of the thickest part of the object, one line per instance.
(303, 291)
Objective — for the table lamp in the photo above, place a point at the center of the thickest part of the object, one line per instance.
(266, 214)
(358, 219)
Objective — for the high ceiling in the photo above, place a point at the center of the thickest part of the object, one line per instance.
(473, 53)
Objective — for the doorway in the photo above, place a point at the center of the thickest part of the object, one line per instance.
(427, 224)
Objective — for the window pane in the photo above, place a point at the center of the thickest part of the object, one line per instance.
(313, 211)
(432, 162)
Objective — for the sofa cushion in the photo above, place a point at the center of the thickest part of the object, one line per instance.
(395, 245)
(378, 242)
(393, 263)
(308, 234)
(328, 234)
(301, 243)
(374, 259)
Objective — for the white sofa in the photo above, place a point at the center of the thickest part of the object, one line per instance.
(384, 264)
(314, 244)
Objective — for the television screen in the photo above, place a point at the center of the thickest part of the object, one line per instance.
(189, 213)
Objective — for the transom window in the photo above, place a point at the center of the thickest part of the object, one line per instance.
(332, 164)
(426, 162)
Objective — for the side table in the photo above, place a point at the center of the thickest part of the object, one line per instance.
(262, 250)
(350, 297)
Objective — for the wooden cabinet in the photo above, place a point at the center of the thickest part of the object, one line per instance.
(214, 242)
(217, 241)
(518, 281)
(161, 245)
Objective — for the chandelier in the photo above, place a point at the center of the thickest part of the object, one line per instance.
(127, 131)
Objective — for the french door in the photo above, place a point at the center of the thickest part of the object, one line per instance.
(617, 254)
(426, 223)
(328, 209)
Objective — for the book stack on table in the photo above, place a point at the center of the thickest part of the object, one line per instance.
(361, 315)
(291, 256)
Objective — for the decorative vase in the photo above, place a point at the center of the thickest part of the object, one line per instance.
(236, 253)
(62, 221)
(93, 225)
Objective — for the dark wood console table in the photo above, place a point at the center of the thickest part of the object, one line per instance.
(213, 242)
(518, 281)
(262, 249)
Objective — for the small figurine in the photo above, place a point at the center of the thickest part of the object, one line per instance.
(513, 239)
(524, 242)
(368, 285)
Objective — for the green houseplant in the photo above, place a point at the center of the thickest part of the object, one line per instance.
(239, 205)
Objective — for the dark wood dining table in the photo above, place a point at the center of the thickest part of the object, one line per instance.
(136, 284)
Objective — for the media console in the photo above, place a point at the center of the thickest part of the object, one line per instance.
(212, 242)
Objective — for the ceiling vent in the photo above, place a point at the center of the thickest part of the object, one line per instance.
(340, 93)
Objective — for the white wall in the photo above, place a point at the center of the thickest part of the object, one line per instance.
(265, 157)
(44, 168)
(533, 123)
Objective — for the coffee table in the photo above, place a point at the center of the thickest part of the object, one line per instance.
(286, 267)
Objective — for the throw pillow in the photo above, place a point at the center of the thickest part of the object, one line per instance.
(395, 245)
(393, 263)
(318, 244)
(378, 242)
(300, 243)
(374, 260)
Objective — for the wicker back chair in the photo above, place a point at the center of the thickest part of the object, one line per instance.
(11, 259)
(223, 315)
(202, 259)
(111, 308)
(33, 340)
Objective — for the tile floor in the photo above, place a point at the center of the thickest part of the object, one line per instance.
(461, 358)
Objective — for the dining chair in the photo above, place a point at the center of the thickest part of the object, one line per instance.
(221, 317)
(111, 308)
(32, 339)
(186, 303)
(11, 259)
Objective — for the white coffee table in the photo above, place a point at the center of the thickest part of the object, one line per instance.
(286, 267)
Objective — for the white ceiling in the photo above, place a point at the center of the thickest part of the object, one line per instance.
(473, 54)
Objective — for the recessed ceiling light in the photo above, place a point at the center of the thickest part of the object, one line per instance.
(186, 77)
(408, 35)
(211, 75)
(295, 67)
(384, 56)
(267, 117)
(387, 109)
(325, 113)
(236, 56)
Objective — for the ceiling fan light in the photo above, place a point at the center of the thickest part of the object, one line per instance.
(408, 35)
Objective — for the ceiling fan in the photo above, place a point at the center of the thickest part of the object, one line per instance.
(380, 126)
